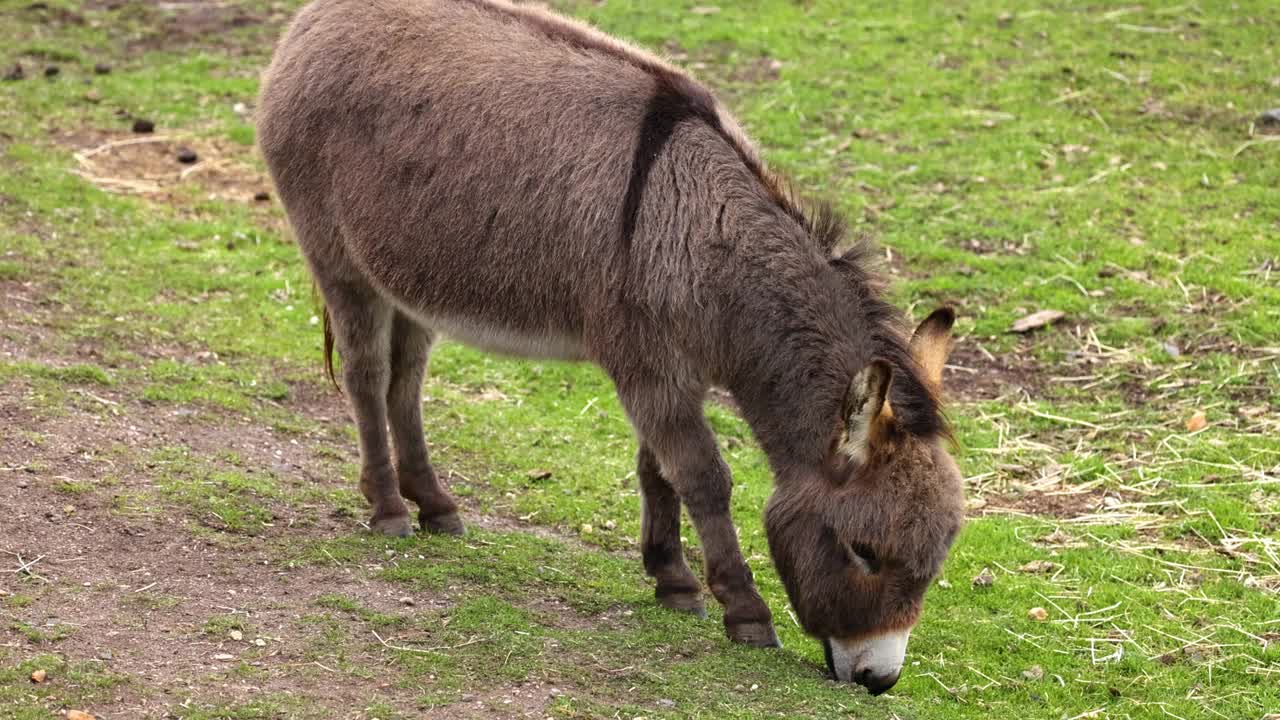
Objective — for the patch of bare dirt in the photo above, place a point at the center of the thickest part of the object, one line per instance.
(972, 374)
(143, 597)
(197, 23)
(152, 165)
(1064, 505)
(184, 24)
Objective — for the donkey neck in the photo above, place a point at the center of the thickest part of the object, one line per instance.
(797, 340)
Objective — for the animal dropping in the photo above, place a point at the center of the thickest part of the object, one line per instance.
(530, 186)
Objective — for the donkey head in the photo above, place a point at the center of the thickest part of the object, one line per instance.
(858, 541)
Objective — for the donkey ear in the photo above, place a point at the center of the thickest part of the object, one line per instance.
(863, 403)
(932, 343)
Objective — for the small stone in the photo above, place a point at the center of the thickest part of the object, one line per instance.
(236, 635)
(223, 657)
(187, 156)
(664, 702)
(15, 73)
(52, 71)
(1038, 614)
(587, 529)
(105, 655)
(23, 483)
(261, 196)
(406, 600)
(39, 676)
(240, 109)
(102, 69)
(93, 96)
(984, 579)
(610, 525)
(944, 584)
(1270, 117)
(1172, 349)
(259, 642)
(142, 126)
(1035, 672)
(1004, 19)
(539, 475)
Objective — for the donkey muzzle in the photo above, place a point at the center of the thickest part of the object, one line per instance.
(873, 662)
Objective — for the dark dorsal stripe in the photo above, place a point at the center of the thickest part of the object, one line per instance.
(677, 98)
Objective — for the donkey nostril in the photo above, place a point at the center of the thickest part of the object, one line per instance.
(875, 684)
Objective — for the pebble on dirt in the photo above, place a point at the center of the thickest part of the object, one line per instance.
(102, 69)
(143, 126)
(15, 73)
(261, 196)
(52, 71)
(1270, 117)
(187, 156)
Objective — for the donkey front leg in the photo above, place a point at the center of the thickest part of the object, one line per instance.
(677, 587)
(362, 329)
(410, 346)
(686, 451)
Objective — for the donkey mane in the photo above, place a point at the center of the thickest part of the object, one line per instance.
(917, 406)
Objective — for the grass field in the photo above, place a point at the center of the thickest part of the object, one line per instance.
(180, 534)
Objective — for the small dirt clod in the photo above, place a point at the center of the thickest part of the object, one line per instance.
(261, 196)
(187, 156)
(15, 73)
(141, 126)
(102, 69)
(52, 71)
(39, 676)
(1038, 614)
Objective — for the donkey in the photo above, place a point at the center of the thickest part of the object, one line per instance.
(528, 185)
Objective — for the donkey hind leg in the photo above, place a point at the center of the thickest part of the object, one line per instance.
(686, 451)
(410, 346)
(362, 329)
(677, 587)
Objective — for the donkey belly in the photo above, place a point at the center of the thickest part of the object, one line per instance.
(507, 340)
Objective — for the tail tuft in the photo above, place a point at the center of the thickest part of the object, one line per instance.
(328, 349)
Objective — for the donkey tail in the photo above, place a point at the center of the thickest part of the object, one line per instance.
(328, 348)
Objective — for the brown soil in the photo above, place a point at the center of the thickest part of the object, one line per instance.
(147, 165)
(135, 587)
(988, 378)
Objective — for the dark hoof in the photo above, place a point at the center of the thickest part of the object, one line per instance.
(392, 525)
(687, 602)
(446, 524)
(757, 634)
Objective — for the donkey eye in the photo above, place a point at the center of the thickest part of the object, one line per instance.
(865, 558)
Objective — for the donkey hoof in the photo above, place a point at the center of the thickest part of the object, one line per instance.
(757, 634)
(393, 525)
(446, 524)
(682, 601)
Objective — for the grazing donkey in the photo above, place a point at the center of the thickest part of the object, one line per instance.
(528, 185)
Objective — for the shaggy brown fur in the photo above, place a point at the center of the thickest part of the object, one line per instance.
(529, 185)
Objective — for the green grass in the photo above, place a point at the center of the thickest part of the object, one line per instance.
(1013, 156)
